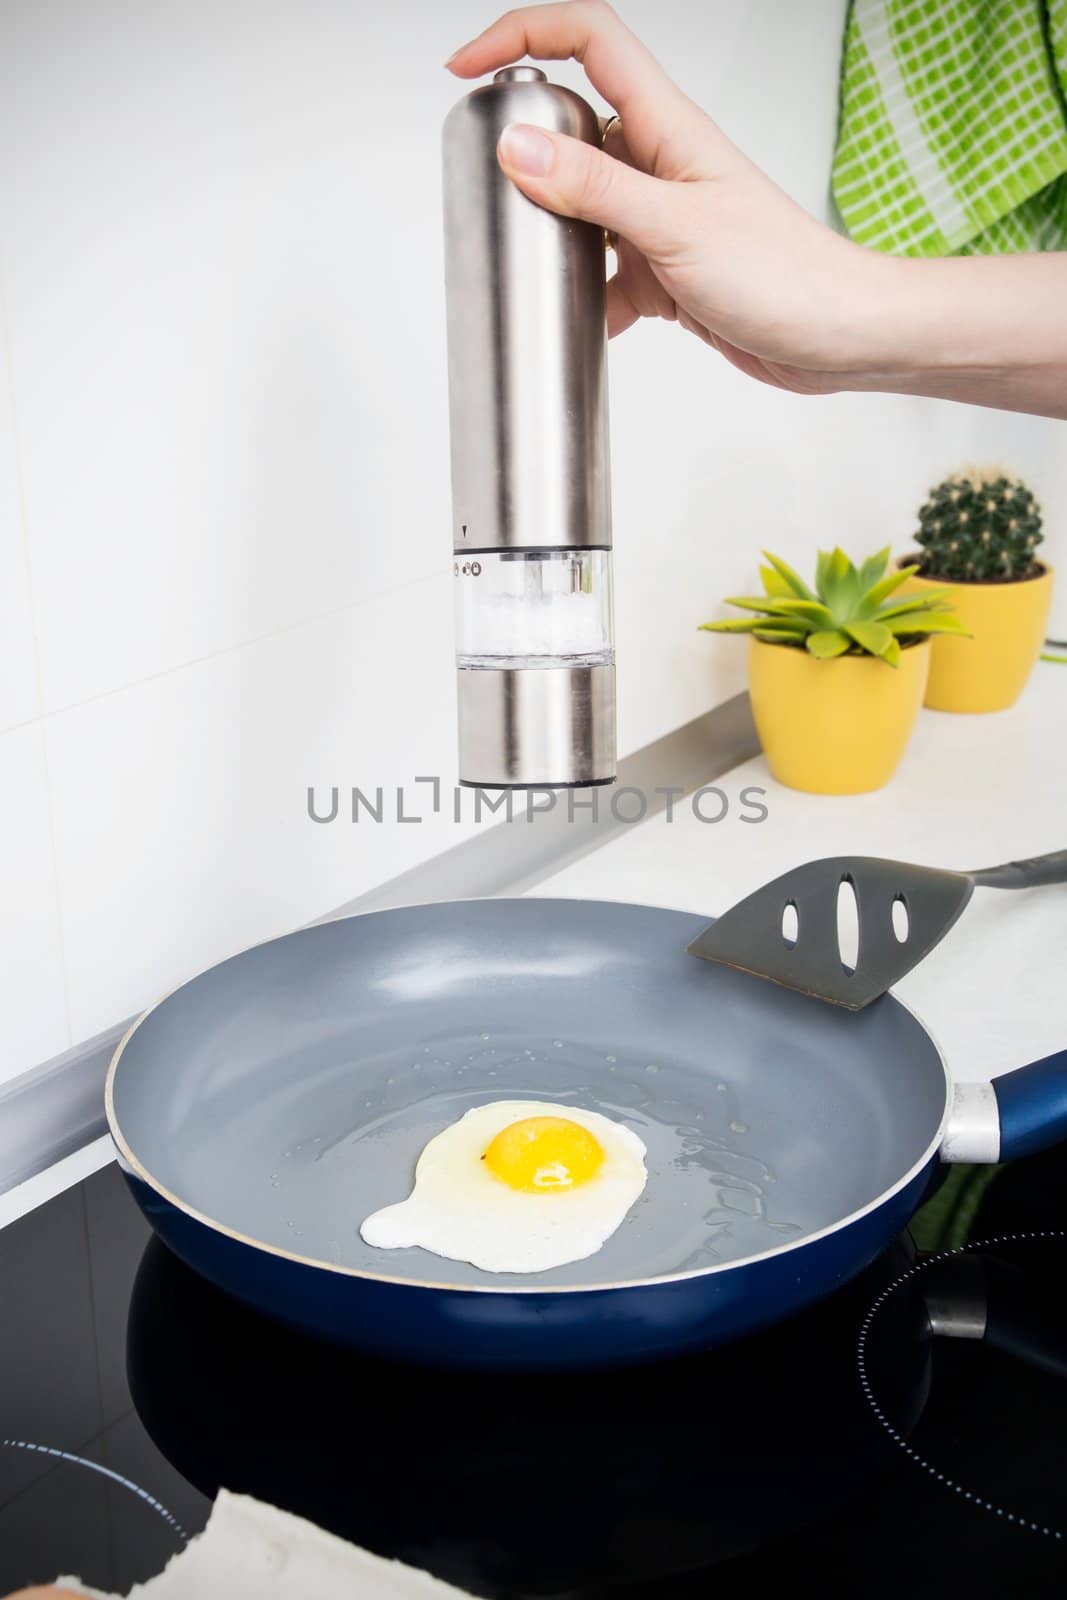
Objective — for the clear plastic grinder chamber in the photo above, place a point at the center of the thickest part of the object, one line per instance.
(533, 609)
(536, 668)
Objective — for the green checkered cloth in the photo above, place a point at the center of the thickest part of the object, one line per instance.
(953, 130)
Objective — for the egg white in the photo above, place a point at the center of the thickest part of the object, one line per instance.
(458, 1208)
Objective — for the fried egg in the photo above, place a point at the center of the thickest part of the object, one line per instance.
(517, 1186)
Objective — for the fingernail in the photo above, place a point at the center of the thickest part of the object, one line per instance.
(527, 149)
(453, 56)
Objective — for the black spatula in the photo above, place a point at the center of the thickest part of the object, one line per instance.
(788, 930)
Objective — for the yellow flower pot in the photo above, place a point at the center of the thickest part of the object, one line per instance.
(988, 672)
(834, 727)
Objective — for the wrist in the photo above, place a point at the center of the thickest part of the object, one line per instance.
(853, 318)
(986, 329)
(878, 337)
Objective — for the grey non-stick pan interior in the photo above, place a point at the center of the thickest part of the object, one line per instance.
(287, 1093)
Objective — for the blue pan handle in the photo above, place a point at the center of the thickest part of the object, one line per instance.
(1015, 1115)
(1032, 1106)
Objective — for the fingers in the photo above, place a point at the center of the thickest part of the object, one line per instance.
(667, 133)
(620, 311)
(577, 180)
(44, 1594)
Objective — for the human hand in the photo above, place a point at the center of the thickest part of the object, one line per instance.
(704, 237)
(46, 1593)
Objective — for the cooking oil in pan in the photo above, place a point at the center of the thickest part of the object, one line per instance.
(707, 1199)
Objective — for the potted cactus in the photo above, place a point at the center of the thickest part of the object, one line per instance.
(837, 670)
(979, 533)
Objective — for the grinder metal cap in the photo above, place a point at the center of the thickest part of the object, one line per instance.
(527, 347)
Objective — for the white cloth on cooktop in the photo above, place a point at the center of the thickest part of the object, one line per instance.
(251, 1551)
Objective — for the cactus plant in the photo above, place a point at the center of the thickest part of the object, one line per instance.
(979, 526)
(850, 610)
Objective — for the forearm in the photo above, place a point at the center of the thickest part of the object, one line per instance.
(989, 330)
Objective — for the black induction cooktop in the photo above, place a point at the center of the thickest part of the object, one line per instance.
(907, 1436)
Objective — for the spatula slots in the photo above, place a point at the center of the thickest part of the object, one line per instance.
(801, 929)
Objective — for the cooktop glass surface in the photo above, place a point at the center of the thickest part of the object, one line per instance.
(908, 1434)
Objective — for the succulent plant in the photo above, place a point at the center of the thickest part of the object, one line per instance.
(851, 610)
(979, 526)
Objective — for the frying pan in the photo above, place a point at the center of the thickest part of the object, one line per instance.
(262, 1110)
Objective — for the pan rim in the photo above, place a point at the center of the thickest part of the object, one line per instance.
(128, 1158)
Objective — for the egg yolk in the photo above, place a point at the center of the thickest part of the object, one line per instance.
(541, 1154)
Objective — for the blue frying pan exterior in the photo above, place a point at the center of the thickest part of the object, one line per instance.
(854, 1110)
(594, 1328)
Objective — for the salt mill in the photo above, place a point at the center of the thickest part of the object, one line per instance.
(531, 499)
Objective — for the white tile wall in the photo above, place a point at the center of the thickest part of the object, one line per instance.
(231, 411)
(229, 496)
(33, 1011)
(196, 783)
(19, 697)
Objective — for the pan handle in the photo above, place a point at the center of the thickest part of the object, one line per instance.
(1030, 874)
(1032, 1106)
(1012, 1116)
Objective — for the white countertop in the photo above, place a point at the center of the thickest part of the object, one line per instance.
(971, 792)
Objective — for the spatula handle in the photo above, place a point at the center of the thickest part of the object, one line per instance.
(1024, 874)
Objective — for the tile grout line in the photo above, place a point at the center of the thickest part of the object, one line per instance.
(187, 665)
(17, 727)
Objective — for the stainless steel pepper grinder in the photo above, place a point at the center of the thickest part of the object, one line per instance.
(531, 497)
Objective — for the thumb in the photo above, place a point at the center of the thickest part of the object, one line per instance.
(577, 180)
